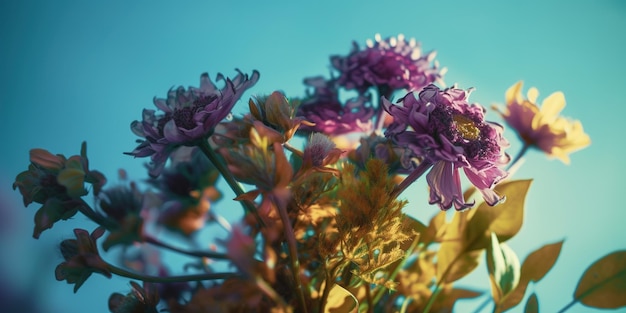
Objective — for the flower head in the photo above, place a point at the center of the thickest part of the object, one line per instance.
(329, 115)
(274, 117)
(141, 299)
(189, 116)
(58, 183)
(393, 63)
(542, 127)
(81, 258)
(122, 205)
(187, 188)
(443, 130)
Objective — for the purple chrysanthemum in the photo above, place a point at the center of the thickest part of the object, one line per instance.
(189, 116)
(323, 108)
(390, 64)
(447, 133)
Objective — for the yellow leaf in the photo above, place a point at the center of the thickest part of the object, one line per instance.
(340, 300)
(504, 219)
(603, 285)
(532, 304)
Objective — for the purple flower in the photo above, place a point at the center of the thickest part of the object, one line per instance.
(189, 116)
(447, 133)
(331, 117)
(390, 64)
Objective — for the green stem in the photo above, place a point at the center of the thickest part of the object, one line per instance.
(431, 301)
(200, 254)
(230, 179)
(293, 252)
(171, 279)
(394, 273)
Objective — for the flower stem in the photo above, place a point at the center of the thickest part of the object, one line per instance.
(432, 298)
(293, 252)
(394, 273)
(569, 305)
(519, 156)
(200, 254)
(419, 171)
(171, 279)
(230, 179)
(87, 211)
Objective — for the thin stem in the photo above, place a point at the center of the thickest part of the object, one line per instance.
(270, 292)
(87, 211)
(171, 279)
(519, 156)
(483, 305)
(293, 252)
(200, 254)
(569, 305)
(396, 270)
(230, 179)
(419, 171)
(431, 301)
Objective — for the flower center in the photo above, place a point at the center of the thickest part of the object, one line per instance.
(466, 127)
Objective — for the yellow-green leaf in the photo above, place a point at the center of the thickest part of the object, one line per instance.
(603, 285)
(340, 300)
(532, 304)
(504, 219)
(534, 268)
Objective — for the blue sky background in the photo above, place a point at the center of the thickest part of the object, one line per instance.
(78, 70)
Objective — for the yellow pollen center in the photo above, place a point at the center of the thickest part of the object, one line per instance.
(466, 127)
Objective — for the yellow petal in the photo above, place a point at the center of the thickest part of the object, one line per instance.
(553, 105)
(533, 93)
(514, 93)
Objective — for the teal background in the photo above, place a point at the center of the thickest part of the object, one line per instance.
(83, 70)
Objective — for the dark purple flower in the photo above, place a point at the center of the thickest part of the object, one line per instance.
(390, 64)
(189, 116)
(330, 116)
(141, 299)
(446, 132)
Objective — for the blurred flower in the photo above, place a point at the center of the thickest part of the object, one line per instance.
(329, 116)
(189, 116)
(58, 183)
(397, 159)
(446, 132)
(122, 204)
(187, 188)
(390, 64)
(543, 127)
(141, 299)
(81, 258)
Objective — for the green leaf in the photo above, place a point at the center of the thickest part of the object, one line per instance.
(532, 304)
(603, 285)
(503, 266)
(534, 268)
(340, 300)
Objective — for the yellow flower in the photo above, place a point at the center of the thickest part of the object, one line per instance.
(543, 127)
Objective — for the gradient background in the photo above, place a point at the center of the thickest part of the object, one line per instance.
(72, 71)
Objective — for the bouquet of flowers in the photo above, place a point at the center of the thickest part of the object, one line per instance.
(319, 181)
